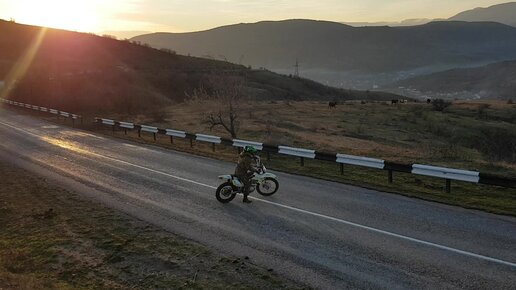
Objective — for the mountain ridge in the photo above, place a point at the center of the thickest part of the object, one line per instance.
(494, 81)
(79, 71)
(332, 48)
(503, 13)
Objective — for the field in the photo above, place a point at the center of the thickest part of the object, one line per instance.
(468, 135)
(51, 238)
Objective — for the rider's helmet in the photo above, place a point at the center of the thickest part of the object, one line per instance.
(250, 149)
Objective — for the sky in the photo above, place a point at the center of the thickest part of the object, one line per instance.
(98, 16)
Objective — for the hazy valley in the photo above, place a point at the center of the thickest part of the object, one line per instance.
(362, 56)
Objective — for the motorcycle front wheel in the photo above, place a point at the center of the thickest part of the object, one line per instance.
(225, 192)
(268, 187)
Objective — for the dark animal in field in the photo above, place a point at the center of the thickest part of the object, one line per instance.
(332, 105)
(394, 102)
(428, 101)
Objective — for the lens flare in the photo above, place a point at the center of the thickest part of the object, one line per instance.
(22, 65)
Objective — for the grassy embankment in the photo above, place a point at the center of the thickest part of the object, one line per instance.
(53, 239)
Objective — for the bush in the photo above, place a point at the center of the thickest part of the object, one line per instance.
(440, 104)
(481, 111)
(498, 144)
(510, 102)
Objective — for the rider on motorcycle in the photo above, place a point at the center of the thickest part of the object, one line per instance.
(248, 165)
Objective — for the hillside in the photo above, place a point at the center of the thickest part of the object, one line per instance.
(496, 81)
(502, 13)
(77, 72)
(327, 47)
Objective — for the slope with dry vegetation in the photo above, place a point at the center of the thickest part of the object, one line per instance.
(82, 72)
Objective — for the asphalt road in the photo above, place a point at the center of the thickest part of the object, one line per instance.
(324, 234)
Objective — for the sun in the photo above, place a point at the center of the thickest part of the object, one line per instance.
(63, 14)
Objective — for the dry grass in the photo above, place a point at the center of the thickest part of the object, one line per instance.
(404, 132)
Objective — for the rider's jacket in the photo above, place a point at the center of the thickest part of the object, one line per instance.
(247, 163)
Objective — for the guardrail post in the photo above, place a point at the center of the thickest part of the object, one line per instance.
(171, 140)
(113, 129)
(154, 135)
(390, 176)
(448, 186)
(125, 131)
(342, 169)
(73, 122)
(213, 147)
(302, 161)
(139, 133)
(191, 142)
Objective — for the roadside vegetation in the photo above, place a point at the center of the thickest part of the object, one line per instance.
(466, 135)
(51, 238)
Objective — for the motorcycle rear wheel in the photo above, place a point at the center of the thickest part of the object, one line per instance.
(225, 192)
(269, 187)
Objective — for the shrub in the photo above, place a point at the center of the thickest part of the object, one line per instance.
(510, 102)
(481, 111)
(498, 144)
(440, 104)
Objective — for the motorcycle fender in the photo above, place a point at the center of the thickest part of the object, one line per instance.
(225, 177)
(270, 175)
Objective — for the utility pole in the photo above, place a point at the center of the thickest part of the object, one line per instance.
(296, 69)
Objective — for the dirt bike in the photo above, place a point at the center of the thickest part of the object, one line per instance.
(265, 183)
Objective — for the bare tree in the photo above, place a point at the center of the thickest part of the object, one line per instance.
(227, 93)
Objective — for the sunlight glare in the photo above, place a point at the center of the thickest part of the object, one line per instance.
(63, 14)
(20, 68)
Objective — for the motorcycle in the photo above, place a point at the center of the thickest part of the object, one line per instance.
(263, 182)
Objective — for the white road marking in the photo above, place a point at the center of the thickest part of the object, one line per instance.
(442, 247)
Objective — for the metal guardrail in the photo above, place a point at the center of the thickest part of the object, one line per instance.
(243, 143)
(175, 133)
(360, 161)
(446, 173)
(108, 122)
(208, 138)
(427, 170)
(149, 129)
(56, 112)
(127, 125)
(343, 159)
(299, 152)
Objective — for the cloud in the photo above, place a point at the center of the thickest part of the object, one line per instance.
(191, 15)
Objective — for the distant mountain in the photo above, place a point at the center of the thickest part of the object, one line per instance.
(502, 13)
(328, 49)
(123, 34)
(406, 22)
(84, 72)
(496, 81)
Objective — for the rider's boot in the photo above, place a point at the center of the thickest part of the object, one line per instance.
(246, 199)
